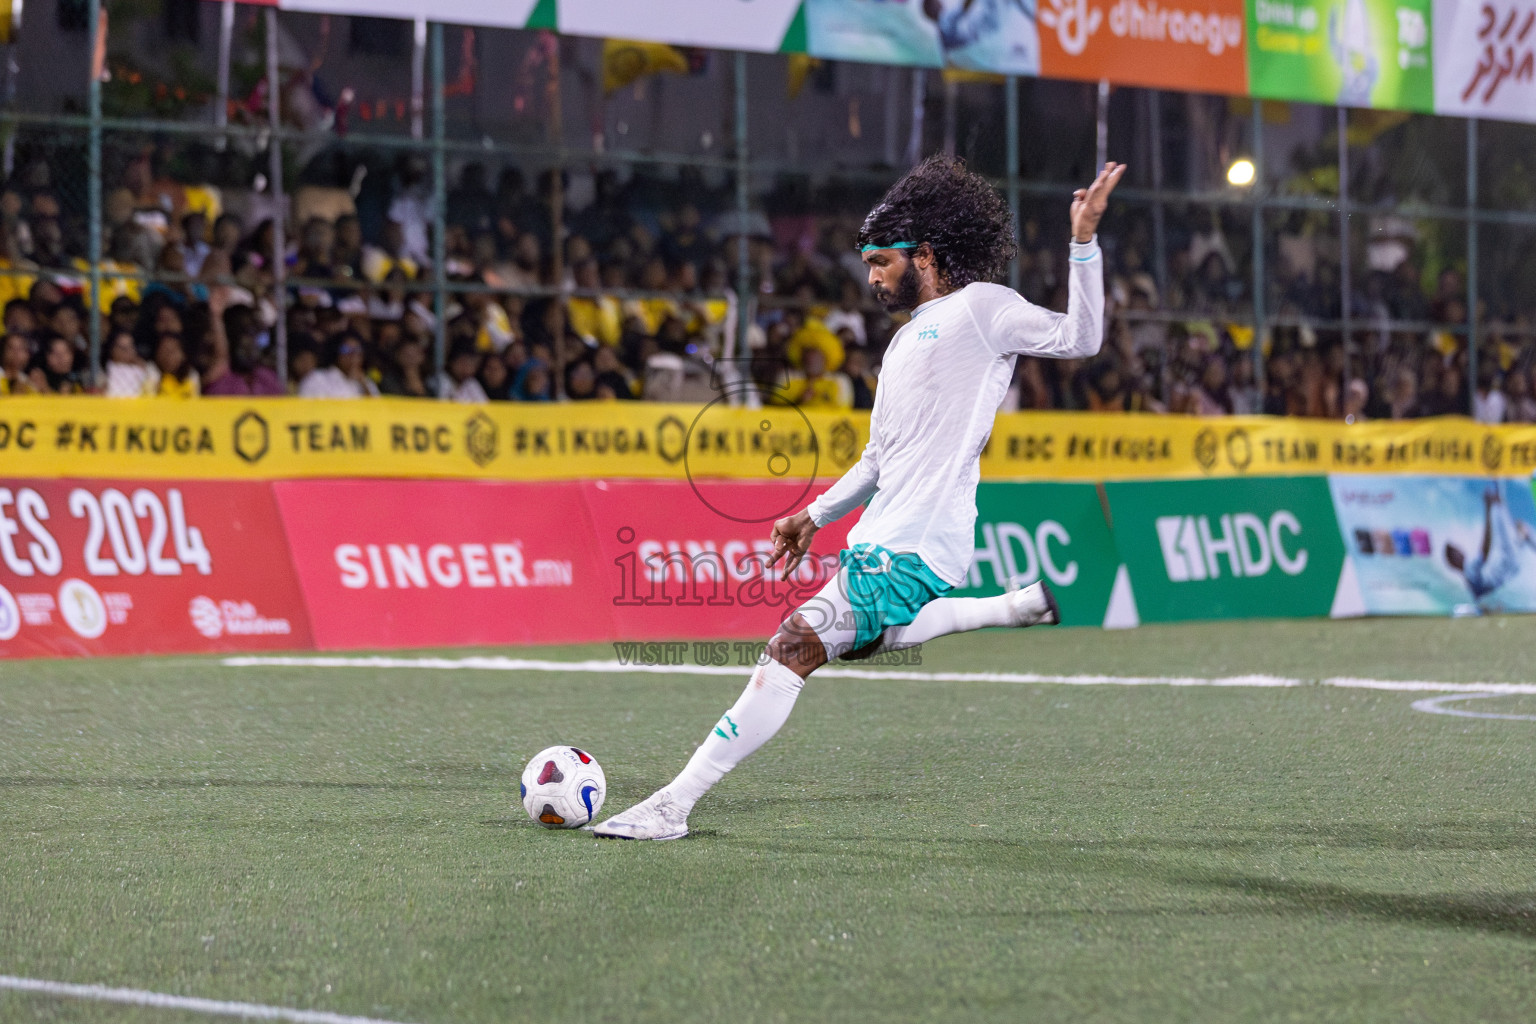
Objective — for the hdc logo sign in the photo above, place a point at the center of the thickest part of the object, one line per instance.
(1238, 548)
(1051, 531)
(1012, 550)
(1193, 550)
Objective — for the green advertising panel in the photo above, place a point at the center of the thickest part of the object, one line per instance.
(1354, 53)
(1050, 531)
(1228, 549)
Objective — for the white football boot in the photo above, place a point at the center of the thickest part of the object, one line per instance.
(656, 817)
(1033, 605)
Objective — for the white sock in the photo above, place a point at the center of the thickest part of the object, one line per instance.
(945, 615)
(758, 713)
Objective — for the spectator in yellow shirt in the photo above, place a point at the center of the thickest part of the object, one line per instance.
(16, 277)
(652, 311)
(178, 378)
(114, 266)
(598, 319)
(15, 355)
(378, 261)
(813, 335)
(55, 372)
(817, 388)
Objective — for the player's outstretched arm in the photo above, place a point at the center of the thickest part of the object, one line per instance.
(1017, 327)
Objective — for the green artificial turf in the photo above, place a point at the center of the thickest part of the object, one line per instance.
(351, 840)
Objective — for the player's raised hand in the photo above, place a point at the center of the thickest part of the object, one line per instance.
(792, 537)
(1089, 204)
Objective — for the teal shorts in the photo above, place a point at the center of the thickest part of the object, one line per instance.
(883, 589)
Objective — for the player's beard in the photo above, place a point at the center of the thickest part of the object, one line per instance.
(905, 295)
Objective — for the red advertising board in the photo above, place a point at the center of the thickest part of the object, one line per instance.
(132, 567)
(418, 563)
(691, 562)
(426, 563)
(126, 567)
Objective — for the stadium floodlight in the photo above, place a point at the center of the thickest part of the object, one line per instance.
(1241, 173)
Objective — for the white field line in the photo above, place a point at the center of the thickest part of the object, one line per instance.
(161, 1001)
(503, 664)
(1436, 706)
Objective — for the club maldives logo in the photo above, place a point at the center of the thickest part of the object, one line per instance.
(214, 619)
(83, 609)
(1077, 21)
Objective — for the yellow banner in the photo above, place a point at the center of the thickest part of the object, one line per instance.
(277, 438)
(1121, 446)
(284, 438)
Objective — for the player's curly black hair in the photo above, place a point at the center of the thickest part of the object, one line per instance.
(960, 216)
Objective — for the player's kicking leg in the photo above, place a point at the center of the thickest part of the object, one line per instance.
(1020, 607)
(763, 707)
(858, 614)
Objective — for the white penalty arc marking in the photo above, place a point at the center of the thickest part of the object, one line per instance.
(1436, 706)
(191, 1004)
(504, 664)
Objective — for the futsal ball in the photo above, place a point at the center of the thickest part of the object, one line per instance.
(563, 787)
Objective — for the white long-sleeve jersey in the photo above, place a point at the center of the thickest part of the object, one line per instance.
(943, 378)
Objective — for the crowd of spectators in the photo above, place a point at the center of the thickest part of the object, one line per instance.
(628, 297)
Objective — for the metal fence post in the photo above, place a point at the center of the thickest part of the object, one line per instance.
(1159, 218)
(1472, 338)
(439, 208)
(1344, 275)
(1257, 197)
(557, 207)
(418, 56)
(1101, 126)
(743, 212)
(951, 114)
(221, 98)
(1011, 98)
(919, 116)
(93, 187)
(279, 252)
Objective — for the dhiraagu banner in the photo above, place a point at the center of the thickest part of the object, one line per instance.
(1225, 549)
(1050, 531)
(1438, 545)
(1354, 53)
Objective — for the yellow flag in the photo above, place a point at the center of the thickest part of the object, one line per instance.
(10, 20)
(625, 61)
(961, 76)
(800, 67)
(1366, 126)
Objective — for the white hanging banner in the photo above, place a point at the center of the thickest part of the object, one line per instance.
(1485, 58)
(490, 13)
(759, 25)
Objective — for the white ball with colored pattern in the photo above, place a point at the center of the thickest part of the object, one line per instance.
(563, 787)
